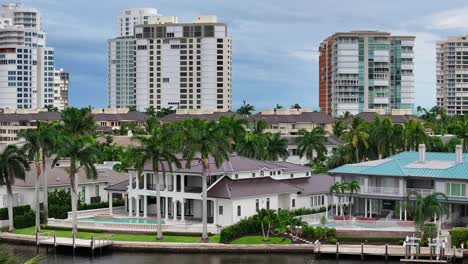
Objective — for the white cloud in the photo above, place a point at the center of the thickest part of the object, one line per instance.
(450, 19)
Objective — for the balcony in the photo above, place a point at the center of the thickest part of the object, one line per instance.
(423, 192)
(387, 191)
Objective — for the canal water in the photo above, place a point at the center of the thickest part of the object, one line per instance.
(181, 258)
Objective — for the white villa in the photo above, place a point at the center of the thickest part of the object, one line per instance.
(237, 189)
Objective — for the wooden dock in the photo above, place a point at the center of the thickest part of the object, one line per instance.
(50, 239)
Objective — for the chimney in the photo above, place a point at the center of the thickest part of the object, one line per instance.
(422, 153)
(459, 153)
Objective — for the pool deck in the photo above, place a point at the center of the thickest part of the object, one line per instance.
(396, 251)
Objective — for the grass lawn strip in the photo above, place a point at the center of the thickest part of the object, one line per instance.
(255, 240)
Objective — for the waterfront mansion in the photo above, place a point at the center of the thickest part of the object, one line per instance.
(385, 184)
(236, 189)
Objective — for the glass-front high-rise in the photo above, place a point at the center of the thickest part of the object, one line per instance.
(370, 71)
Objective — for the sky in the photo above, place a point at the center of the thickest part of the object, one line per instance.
(275, 42)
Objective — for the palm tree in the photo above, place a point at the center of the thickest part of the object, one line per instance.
(397, 142)
(253, 146)
(460, 128)
(312, 143)
(357, 136)
(267, 218)
(335, 189)
(277, 148)
(245, 109)
(278, 106)
(13, 165)
(424, 208)
(150, 111)
(341, 155)
(339, 127)
(206, 140)
(82, 154)
(353, 187)
(165, 111)
(233, 127)
(78, 121)
(381, 134)
(296, 106)
(160, 149)
(415, 134)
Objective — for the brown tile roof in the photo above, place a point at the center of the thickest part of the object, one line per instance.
(120, 187)
(397, 119)
(235, 163)
(315, 184)
(54, 116)
(304, 117)
(129, 116)
(213, 116)
(227, 188)
(58, 176)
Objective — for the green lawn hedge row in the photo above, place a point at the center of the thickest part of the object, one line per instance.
(249, 225)
(17, 210)
(459, 235)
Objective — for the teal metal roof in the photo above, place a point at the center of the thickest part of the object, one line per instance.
(406, 164)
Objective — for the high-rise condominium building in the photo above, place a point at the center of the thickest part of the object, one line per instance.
(172, 64)
(26, 63)
(61, 89)
(366, 71)
(452, 75)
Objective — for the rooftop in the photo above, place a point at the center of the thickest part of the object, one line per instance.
(406, 164)
(180, 116)
(292, 116)
(397, 119)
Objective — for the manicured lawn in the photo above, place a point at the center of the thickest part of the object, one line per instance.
(122, 237)
(259, 240)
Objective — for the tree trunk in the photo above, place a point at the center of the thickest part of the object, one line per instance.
(74, 204)
(10, 208)
(45, 190)
(159, 235)
(36, 198)
(357, 155)
(268, 231)
(263, 232)
(204, 204)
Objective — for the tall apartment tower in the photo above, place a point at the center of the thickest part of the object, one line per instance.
(26, 63)
(178, 65)
(452, 75)
(61, 79)
(366, 71)
(121, 53)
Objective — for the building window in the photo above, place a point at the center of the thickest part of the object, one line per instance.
(455, 189)
(220, 210)
(292, 175)
(257, 204)
(253, 174)
(97, 190)
(236, 176)
(268, 203)
(82, 194)
(293, 203)
(238, 210)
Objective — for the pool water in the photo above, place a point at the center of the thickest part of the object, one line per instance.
(120, 220)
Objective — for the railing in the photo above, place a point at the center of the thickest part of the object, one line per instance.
(94, 212)
(162, 187)
(381, 191)
(423, 192)
(313, 218)
(101, 241)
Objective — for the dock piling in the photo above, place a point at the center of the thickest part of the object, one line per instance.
(337, 250)
(386, 252)
(362, 251)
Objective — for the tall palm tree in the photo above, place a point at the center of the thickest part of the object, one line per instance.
(381, 134)
(267, 218)
(245, 109)
(253, 146)
(339, 127)
(357, 136)
(460, 128)
(233, 127)
(397, 142)
(424, 208)
(160, 149)
(415, 134)
(204, 140)
(277, 148)
(335, 189)
(33, 150)
(353, 187)
(342, 154)
(78, 121)
(13, 165)
(312, 143)
(82, 154)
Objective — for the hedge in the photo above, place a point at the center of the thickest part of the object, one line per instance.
(459, 235)
(115, 202)
(304, 211)
(17, 210)
(245, 226)
(28, 219)
(318, 232)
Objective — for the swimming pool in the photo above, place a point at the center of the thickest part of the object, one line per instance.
(120, 220)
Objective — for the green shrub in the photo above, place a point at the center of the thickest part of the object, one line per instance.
(318, 232)
(245, 226)
(459, 235)
(17, 210)
(305, 211)
(28, 219)
(332, 240)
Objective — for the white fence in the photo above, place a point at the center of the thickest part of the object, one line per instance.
(100, 211)
(189, 228)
